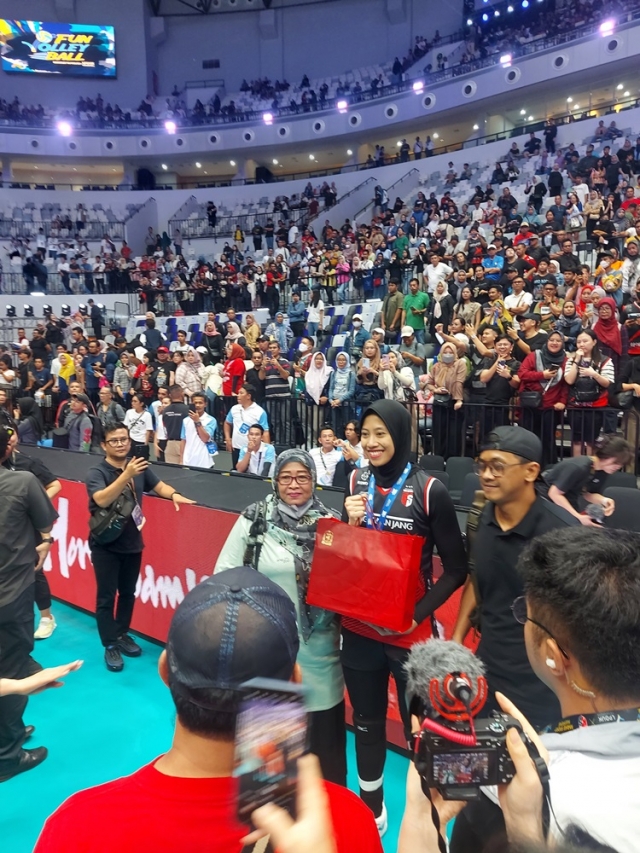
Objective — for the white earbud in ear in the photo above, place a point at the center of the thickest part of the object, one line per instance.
(550, 663)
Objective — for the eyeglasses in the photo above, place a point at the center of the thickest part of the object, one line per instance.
(519, 610)
(114, 442)
(495, 467)
(300, 479)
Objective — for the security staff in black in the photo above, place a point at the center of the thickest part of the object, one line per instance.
(117, 564)
(25, 511)
(172, 418)
(509, 465)
(17, 461)
(394, 495)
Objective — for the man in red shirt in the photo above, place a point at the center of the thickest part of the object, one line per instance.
(234, 626)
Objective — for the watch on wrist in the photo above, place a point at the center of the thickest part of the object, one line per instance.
(47, 539)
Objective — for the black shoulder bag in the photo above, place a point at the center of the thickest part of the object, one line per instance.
(107, 523)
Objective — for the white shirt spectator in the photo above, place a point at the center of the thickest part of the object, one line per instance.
(242, 420)
(293, 234)
(139, 424)
(514, 300)
(436, 274)
(325, 464)
(259, 458)
(196, 452)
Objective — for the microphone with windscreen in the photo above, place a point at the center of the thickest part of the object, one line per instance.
(454, 751)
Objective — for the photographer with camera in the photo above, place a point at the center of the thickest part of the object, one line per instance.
(581, 617)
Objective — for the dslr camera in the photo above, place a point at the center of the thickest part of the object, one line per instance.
(458, 771)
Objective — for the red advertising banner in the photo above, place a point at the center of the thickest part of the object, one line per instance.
(181, 549)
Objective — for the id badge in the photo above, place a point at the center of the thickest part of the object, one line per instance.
(138, 518)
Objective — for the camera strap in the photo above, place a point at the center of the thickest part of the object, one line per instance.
(435, 817)
(542, 770)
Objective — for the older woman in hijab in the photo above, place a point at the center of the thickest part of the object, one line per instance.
(30, 423)
(342, 386)
(446, 378)
(276, 536)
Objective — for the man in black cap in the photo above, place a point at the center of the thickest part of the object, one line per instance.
(529, 338)
(235, 626)
(508, 465)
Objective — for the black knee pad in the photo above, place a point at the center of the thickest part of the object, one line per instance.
(369, 732)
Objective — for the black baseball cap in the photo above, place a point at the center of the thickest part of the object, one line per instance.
(531, 315)
(516, 440)
(234, 626)
(262, 338)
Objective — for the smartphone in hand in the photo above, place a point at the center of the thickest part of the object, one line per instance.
(271, 735)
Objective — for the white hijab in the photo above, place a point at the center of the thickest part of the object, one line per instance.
(316, 377)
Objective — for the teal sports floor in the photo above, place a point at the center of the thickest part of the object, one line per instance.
(102, 725)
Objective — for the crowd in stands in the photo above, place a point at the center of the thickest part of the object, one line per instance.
(480, 42)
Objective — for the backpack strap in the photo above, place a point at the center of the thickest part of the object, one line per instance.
(256, 535)
(473, 522)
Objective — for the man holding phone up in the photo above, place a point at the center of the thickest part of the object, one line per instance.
(117, 564)
(233, 627)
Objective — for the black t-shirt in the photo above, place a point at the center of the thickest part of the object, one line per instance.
(162, 370)
(172, 418)
(21, 462)
(98, 478)
(502, 648)
(575, 476)
(534, 343)
(498, 391)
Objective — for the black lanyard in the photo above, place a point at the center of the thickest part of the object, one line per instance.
(583, 721)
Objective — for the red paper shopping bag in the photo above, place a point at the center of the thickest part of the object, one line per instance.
(369, 575)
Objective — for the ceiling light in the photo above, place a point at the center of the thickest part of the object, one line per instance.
(619, 86)
(435, 136)
(275, 162)
(607, 27)
(525, 4)
(311, 157)
(569, 100)
(505, 60)
(476, 127)
(485, 17)
(418, 86)
(232, 162)
(64, 128)
(529, 118)
(198, 165)
(576, 106)
(170, 126)
(469, 22)
(349, 152)
(625, 94)
(523, 112)
(267, 118)
(509, 8)
(164, 167)
(496, 14)
(342, 105)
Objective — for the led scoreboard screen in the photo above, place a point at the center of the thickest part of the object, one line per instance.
(39, 47)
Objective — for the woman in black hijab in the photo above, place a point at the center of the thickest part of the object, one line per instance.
(30, 423)
(421, 506)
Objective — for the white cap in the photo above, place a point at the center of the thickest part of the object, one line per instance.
(406, 332)
(357, 317)
(379, 331)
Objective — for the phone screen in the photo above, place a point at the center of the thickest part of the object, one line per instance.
(385, 360)
(366, 362)
(271, 735)
(439, 338)
(192, 407)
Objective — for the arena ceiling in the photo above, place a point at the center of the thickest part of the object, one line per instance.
(177, 8)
